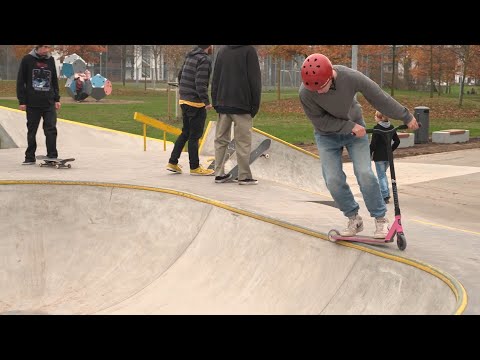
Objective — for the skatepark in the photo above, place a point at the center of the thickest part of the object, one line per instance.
(118, 234)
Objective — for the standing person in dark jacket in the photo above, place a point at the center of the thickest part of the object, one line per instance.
(236, 92)
(38, 95)
(378, 148)
(193, 81)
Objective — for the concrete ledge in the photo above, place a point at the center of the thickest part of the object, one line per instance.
(450, 136)
(406, 140)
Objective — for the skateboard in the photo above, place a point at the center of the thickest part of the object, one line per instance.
(254, 155)
(230, 151)
(58, 163)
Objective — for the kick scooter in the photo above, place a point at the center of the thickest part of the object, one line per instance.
(396, 228)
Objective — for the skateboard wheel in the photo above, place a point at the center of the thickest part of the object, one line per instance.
(57, 166)
(267, 156)
(69, 166)
(331, 235)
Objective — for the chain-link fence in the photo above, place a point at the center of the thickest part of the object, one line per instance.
(153, 66)
(8, 63)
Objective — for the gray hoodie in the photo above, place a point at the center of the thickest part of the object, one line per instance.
(34, 54)
(337, 111)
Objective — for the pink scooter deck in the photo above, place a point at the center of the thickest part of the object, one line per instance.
(334, 236)
(395, 229)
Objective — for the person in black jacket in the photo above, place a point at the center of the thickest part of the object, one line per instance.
(378, 149)
(236, 93)
(193, 81)
(38, 95)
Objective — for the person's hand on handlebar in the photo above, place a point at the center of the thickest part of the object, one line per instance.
(358, 130)
(413, 124)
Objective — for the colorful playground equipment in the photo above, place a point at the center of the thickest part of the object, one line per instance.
(79, 84)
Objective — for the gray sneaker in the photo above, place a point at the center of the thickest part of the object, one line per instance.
(354, 226)
(29, 162)
(381, 225)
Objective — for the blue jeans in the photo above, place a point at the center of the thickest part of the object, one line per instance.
(330, 149)
(381, 167)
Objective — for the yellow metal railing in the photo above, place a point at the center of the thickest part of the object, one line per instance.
(147, 120)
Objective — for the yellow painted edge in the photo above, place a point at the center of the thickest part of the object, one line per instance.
(455, 285)
(285, 143)
(446, 227)
(90, 126)
(202, 140)
(278, 140)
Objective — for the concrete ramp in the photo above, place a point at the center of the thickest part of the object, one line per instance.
(13, 134)
(286, 163)
(120, 249)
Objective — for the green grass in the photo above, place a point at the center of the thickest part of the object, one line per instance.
(286, 121)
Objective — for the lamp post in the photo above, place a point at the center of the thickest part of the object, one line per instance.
(101, 63)
(354, 56)
(355, 60)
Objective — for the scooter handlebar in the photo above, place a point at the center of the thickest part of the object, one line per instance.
(400, 127)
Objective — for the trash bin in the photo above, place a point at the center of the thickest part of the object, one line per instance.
(422, 114)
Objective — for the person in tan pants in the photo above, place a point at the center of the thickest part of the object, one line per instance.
(242, 125)
(236, 93)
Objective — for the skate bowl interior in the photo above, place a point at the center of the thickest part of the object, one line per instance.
(107, 249)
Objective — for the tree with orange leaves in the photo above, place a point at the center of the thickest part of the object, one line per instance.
(434, 64)
(89, 53)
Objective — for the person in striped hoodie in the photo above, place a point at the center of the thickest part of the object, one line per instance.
(193, 81)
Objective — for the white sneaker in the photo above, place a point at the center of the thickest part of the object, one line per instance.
(382, 228)
(354, 226)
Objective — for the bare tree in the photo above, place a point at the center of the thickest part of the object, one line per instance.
(392, 91)
(279, 52)
(174, 57)
(432, 85)
(156, 51)
(463, 53)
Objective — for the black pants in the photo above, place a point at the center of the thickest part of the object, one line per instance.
(34, 115)
(193, 124)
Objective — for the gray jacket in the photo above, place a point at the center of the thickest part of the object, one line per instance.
(337, 111)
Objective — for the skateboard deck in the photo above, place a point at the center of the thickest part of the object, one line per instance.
(254, 155)
(230, 151)
(57, 163)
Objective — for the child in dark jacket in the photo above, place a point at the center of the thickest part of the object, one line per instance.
(378, 150)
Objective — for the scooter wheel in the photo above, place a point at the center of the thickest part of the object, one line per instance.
(401, 242)
(331, 235)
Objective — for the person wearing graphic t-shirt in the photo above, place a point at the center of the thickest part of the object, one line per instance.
(38, 95)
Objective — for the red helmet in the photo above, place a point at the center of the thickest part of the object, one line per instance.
(316, 71)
